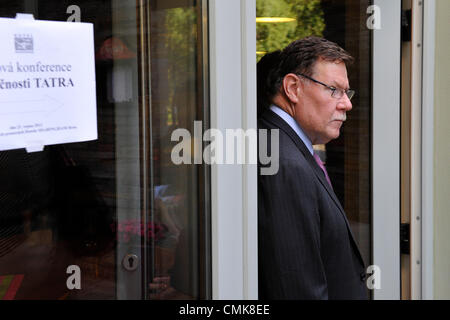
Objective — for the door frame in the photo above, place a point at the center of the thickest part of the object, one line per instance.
(386, 77)
(234, 210)
(232, 31)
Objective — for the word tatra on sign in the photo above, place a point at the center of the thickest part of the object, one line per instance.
(53, 82)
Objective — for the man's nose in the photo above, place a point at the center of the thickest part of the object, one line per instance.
(345, 103)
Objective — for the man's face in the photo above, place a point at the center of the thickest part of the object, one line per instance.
(319, 114)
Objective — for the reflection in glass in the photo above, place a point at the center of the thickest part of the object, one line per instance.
(176, 103)
(306, 19)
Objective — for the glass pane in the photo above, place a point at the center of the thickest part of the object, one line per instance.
(348, 157)
(98, 205)
(177, 101)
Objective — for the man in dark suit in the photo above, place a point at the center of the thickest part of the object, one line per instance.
(306, 247)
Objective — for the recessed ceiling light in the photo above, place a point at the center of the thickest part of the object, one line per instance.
(274, 19)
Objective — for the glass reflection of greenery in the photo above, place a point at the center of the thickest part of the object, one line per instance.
(309, 20)
(181, 45)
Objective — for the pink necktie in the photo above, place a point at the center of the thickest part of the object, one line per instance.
(320, 163)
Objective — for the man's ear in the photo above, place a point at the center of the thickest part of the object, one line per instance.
(291, 87)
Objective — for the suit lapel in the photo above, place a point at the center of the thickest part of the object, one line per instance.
(276, 120)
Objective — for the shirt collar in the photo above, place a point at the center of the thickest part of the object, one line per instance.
(294, 125)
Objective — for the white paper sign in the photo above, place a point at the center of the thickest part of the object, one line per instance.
(47, 83)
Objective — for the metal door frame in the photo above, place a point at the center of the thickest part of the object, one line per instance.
(386, 149)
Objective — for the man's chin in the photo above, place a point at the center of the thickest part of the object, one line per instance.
(327, 136)
(331, 136)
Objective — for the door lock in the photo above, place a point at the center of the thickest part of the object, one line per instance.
(130, 262)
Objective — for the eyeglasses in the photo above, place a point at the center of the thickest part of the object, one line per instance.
(335, 92)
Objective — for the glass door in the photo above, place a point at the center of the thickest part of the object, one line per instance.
(115, 218)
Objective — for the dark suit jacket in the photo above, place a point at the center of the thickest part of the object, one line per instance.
(306, 248)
